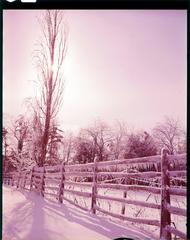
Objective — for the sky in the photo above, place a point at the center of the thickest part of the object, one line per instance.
(127, 65)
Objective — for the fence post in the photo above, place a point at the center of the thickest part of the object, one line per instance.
(124, 196)
(43, 183)
(94, 187)
(31, 179)
(61, 188)
(165, 197)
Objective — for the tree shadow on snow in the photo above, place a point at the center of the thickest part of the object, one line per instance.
(28, 220)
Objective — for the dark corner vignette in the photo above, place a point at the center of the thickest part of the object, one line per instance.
(40, 171)
(97, 4)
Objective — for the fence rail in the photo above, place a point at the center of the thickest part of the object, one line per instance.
(63, 177)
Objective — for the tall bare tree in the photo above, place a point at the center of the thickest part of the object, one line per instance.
(49, 57)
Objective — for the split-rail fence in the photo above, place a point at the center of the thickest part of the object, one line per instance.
(98, 175)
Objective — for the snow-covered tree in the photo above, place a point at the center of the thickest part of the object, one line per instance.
(118, 140)
(100, 136)
(140, 145)
(68, 147)
(22, 133)
(5, 150)
(84, 150)
(170, 134)
(54, 147)
(49, 58)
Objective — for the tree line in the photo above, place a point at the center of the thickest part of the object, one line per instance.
(21, 145)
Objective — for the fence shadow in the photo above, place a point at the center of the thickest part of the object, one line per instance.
(87, 220)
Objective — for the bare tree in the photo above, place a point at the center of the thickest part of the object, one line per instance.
(49, 58)
(10, 156)
(21, 127)
(101, 138)
(169, 134)
(20, 143)
(119, 139)
(5, 145)
(68, 147)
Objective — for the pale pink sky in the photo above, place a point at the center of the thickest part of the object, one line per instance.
(128, 65)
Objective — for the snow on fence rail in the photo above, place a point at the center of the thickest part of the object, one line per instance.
(64, 176)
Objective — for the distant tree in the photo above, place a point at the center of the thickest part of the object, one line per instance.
(69, 148)
(22, 133)
(11, 160)
(100, 136)
(5, 150)
(182, 145)
(5, 145)
(140, 145)
(49, 60)
(16, 151)
(20, 127)
(84, 152)
(118, 140)
(169, 134)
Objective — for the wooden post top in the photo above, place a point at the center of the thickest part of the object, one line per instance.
(96, 158)
(164, 152)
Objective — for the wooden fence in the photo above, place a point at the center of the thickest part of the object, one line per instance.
(56, 181)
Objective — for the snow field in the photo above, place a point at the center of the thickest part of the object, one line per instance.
(27, 216)
(132, 210)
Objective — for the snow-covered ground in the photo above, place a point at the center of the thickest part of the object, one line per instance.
(27, 216)
(132, 210)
